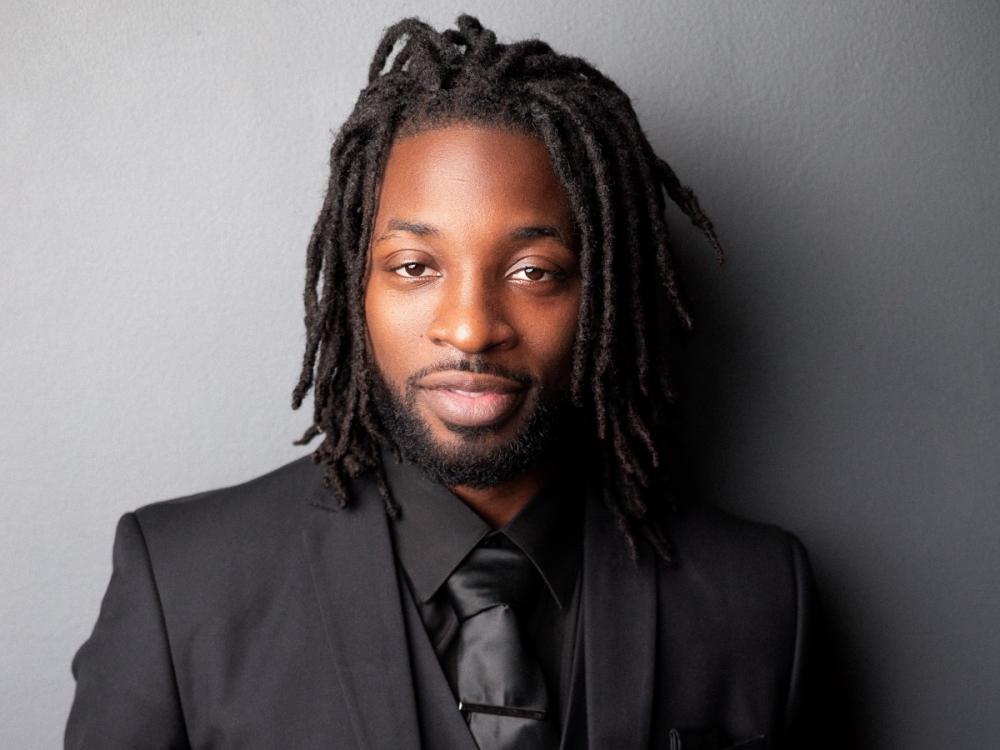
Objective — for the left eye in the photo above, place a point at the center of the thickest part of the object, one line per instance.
(412, 270)
(533, 273)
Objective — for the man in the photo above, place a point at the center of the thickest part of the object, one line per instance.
(483, 551)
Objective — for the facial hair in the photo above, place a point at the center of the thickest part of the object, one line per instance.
(470, 463)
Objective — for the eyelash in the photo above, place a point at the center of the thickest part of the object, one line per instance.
(400, 270)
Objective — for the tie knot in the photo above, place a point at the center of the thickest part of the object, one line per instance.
(490, 576)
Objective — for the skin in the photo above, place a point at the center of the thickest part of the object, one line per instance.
(472, 259)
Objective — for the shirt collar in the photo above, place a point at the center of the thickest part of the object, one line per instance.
(435, 531)
(548, 530)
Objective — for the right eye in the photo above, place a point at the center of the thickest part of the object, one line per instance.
(411, 270)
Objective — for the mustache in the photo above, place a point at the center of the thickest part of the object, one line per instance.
(475, 365)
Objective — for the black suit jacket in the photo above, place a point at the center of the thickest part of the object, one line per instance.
(262, 616)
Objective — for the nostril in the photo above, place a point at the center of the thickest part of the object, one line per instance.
(472, 335)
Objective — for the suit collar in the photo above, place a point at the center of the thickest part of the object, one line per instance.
(618, 641)
(354, 574)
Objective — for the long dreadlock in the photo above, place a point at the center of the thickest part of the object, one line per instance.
(615, 184)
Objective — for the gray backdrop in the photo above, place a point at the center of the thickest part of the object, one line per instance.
(161, 165)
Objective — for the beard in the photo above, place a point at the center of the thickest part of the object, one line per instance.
(471, 462)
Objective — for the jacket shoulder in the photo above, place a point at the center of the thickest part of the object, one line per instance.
(708, 536)
(263, 500)
(746, 582)
(211, 537)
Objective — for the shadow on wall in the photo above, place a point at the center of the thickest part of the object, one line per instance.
(717, 369)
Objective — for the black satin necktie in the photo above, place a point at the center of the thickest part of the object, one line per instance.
(501, 690)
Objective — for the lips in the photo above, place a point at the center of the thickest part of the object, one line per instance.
(469, 399)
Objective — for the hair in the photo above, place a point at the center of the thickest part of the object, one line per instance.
(616, 187)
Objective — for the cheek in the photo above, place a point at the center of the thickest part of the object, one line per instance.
(549, 333)
(395, 327)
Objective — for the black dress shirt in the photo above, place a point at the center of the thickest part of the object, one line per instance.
(436, 531)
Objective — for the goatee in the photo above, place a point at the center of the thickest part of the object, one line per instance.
(470, 463)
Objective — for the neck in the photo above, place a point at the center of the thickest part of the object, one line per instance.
(499, 504)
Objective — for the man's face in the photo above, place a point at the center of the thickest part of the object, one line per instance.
(471, 300)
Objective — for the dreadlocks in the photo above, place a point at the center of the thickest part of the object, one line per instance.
(616, 186)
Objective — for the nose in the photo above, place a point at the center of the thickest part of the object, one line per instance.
(470, 317)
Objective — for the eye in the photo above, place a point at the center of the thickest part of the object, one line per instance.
(412, 270)
(536, 273)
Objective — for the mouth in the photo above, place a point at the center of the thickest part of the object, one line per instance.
(468, 399)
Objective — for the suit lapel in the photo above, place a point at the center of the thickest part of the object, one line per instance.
(353, 570)
(619, 634)
(441, 724)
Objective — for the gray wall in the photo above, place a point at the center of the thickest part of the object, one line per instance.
(160, 168)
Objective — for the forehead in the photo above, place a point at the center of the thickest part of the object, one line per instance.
(470, 171)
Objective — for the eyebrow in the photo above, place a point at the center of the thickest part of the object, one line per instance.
(426, 230)
(527, 233)
(413, 227)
